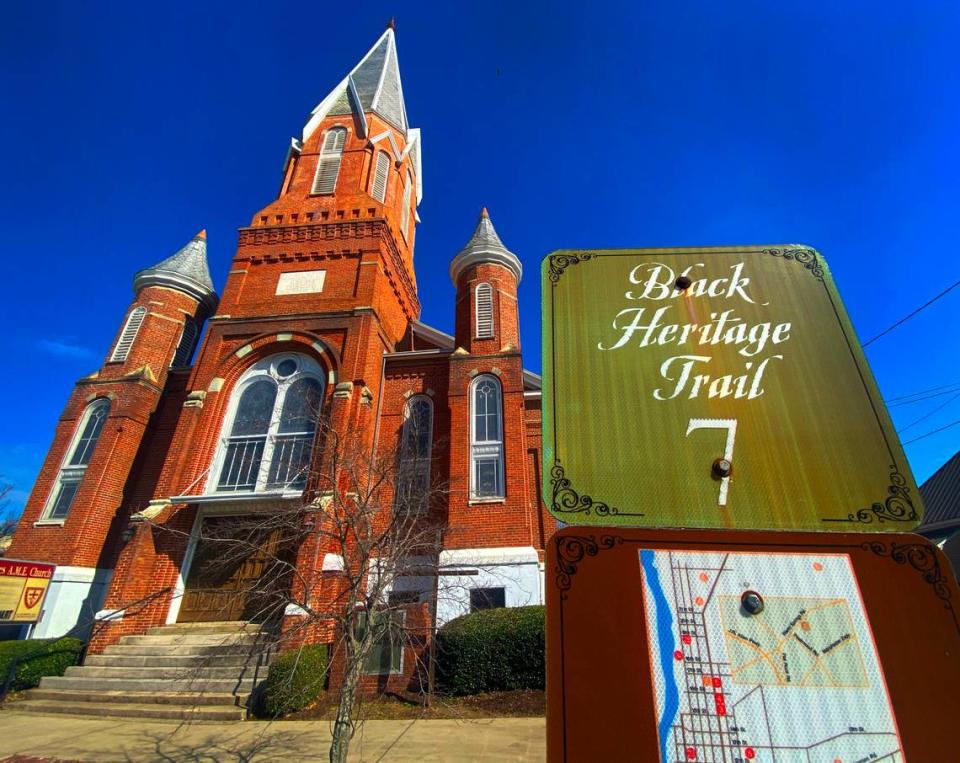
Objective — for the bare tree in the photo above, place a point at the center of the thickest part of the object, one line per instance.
(8, 523)
(354, 564)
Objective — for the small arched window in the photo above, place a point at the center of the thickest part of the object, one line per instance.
(328, 165)
(405, 209)
(78, 456)
(129, 334)
(486, 439)
(415, 454)
(267, 443)
(483, 302)
(380, 175)
(188, 340)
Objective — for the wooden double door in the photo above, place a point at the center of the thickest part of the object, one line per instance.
(240, 571)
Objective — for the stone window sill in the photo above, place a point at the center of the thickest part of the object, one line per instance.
(478, 501)
(49, 523)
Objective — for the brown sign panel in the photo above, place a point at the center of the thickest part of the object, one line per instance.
(742, 647)
(23, 587)
(718, 387)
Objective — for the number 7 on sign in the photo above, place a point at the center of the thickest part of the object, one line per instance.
(731, 426)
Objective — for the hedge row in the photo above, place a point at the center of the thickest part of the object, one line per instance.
(38, 658)
(492, 650)
(296, 678)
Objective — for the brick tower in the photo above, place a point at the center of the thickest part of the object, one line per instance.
(323, 284)
(74, 515)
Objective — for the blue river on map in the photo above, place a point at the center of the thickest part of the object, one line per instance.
(665, 643)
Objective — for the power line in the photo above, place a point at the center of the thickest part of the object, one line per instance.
(908, 317)
(928, 415)
(951, 424)
(925, 397)
(921, 392)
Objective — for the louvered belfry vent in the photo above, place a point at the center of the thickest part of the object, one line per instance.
(128, 335)
(405, 209)
(484, 303)
(379, 191)
(328, 167)
(188, 339)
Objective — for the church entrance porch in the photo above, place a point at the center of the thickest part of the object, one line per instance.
(241, 569)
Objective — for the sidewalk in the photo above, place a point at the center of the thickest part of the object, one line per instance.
(107, 740)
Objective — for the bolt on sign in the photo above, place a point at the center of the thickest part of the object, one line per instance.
(23, 587)
(719, 387)
(743, 646)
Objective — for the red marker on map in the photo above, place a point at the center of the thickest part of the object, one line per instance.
(691, 753)
(678, 655)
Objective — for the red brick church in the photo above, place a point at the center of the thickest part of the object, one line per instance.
(320, 304)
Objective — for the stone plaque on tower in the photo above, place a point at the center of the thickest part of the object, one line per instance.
(712, 388)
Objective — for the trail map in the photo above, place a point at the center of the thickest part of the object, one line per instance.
(797, 682)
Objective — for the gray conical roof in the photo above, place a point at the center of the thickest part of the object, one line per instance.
(485, 246)
(186, 271)
(376, 80)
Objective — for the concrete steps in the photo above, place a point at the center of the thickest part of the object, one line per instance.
(195, 671)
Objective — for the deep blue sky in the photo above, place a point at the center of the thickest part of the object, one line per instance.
(128, 127)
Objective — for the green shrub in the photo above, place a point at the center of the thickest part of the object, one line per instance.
(296, 678)
(38, 658)
(492, 650)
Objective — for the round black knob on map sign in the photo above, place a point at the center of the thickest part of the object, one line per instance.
(752, 602)
(722, 467)
(683, 282)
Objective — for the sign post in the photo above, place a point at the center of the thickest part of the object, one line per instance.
(719, 388)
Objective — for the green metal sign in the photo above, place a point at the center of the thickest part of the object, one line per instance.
(712, 388)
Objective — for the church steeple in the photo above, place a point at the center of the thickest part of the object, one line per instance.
(373, 85)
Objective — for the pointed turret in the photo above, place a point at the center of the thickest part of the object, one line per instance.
(485, 246)
(185, 271)
(486, 275)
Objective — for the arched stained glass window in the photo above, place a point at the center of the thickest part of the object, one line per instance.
(415, 454)
(328, 165)
(78, 457)
(486, 439)
(270, 431)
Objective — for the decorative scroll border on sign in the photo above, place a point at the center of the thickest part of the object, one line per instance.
(560, 262)
(571, 549)
(897, 507)
(565, 500)
(806, 257)
(923, 558)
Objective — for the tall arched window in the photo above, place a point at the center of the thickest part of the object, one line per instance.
(188, 340)
(380, 175)
(405, 209)
(328, 166)
(267, 443)
(486, 439)
(483, 303)
(415, 453)
(74, 466)
(130, 330)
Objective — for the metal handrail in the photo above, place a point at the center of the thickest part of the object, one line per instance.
(97, 627)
